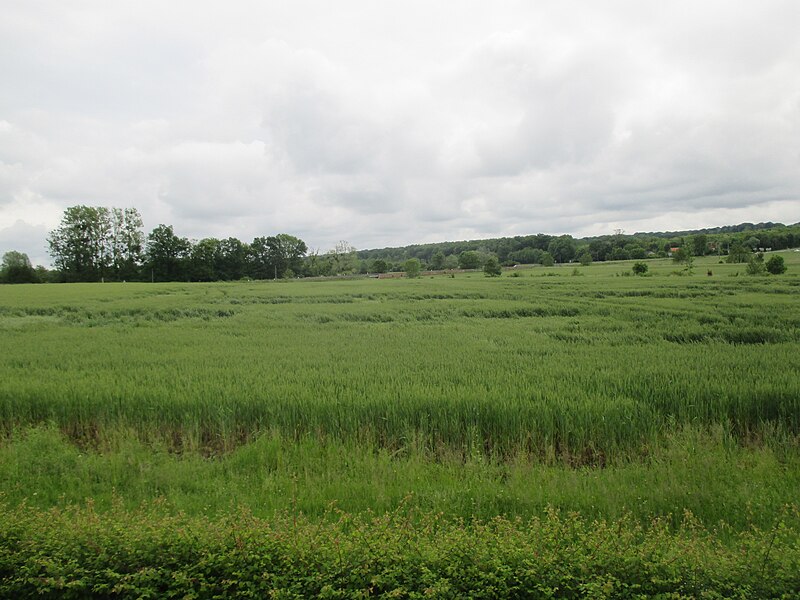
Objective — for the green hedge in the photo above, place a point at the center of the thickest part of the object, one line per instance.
(149, 553)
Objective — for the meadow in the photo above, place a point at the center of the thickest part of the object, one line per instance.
(548, 404)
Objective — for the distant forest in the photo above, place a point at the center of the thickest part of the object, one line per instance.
(548, 249)
(109, 244)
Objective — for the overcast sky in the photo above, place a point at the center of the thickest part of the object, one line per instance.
(390, 123)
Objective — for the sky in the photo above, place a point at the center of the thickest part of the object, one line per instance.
(388, 123)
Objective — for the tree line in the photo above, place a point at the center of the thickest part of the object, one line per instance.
(102, 244)
(94, 243)
(739, 241)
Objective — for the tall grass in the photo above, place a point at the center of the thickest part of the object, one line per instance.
(705, 473)
(575, 369)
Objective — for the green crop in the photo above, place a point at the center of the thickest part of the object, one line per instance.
(575, 369)
(514, 411)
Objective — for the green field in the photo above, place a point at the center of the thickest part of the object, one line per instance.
(539, 414)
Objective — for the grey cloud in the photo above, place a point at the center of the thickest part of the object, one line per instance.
(319, 135)
(26, 238)
(382, 126)
(535, 114)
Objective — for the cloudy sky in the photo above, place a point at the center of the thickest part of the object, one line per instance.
(389, 123)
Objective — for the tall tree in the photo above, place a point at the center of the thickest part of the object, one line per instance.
(738, 252)
(127, 242)
(437, 260)
(275, 256)
(317, 265)
(699, 244)
(166, 255)
(203, 258)
(231, 259)
(562, 248)
(80, 245)
(343, 258)
(259, 259)
(600, 249)
(287, 253)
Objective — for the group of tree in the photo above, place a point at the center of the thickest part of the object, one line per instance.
(101, 244)
(109, 244)
(16, 267)
(756, 265)
(94, 243)
(738, 241)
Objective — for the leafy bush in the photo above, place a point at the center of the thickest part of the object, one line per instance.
(412, 267)
(639, 268)
(148, 553)
(492, 268)
(680, 255)
(755, 266)
(775, 265)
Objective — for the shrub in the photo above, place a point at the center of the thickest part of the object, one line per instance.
(412, 267)
(755, 266)
(639, 268)
(80, 552)
(680, 255)
(492, 267)
(775, 265)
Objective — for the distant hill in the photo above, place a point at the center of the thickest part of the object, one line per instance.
(714, 230)
(540, 248)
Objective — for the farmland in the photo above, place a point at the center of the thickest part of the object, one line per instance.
(549, 403)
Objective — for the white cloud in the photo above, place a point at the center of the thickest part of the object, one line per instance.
(396, 123)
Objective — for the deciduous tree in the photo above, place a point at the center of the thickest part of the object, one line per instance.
(437, 260)
(492, 267)
(699, 244)
(412, 267)
(203, 260)
(738, 253)
(127, 242)
(562, 248)
(379, 266)
(16, 268)
(166, 255)
(469, 259)
(231, 259)
(80, 245)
